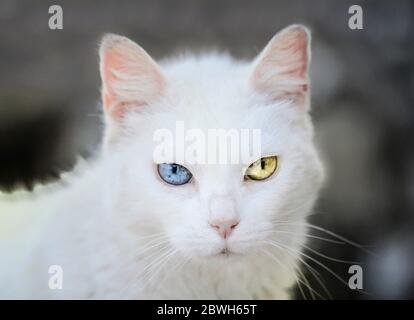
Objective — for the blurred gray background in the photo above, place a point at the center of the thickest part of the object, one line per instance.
(363, 94)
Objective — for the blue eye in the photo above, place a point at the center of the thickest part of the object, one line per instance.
(173, 173)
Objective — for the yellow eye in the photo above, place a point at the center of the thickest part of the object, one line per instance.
(262, 168)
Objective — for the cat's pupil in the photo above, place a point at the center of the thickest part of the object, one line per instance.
(262, 163)
(174, 169)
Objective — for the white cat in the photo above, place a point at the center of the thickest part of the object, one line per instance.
(123, 227)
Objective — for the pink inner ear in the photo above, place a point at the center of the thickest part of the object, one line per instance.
(111, 61)
(112, 103)
(130, 78)
(293, 51)
(282, 67)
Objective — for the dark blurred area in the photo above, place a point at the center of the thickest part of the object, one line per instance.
(363, 94)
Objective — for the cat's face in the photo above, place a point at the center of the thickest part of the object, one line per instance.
(218, 208)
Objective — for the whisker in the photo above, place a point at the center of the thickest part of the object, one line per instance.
(319, 263)
(306, 235)
(290, 269)
(317, 277)
(331, 233)
(330, 258)
(161, 264)
(301, 274)
(301, 290)
(314, 273)
(150, 245)
(150, 269)
(157, 260)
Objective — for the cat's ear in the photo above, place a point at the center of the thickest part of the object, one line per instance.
(130, 77)
(281, 69)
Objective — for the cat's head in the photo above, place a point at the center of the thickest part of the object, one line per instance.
(207, 209)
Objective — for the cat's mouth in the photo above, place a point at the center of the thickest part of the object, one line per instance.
(228, 250)
(225, 251)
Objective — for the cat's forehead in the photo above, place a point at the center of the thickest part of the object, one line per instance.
(211, 79)
(212, 94)
(243, 113)
(199, 127)
(214, 90)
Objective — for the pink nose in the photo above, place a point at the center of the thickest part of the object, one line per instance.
(224, 227)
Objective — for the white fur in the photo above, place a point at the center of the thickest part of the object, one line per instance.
(98, 223)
